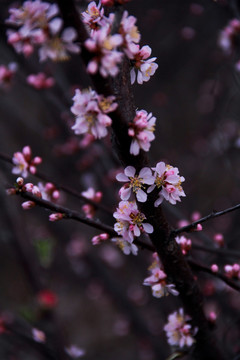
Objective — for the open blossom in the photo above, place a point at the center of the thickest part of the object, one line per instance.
(40, 81)
(179, 332)
(39, 27)
(106, 58)
(145, 67)
(23, 162)
(168, 182)
(130, 35)
(91, 112)
(130, 221)
(38, 335)
(158, 280)
(141, 130)
(89, 209)
(135, 183)
(185, 244)
(126, 247)
(93, 16)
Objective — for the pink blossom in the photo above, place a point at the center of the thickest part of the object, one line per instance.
(214, 268)
(141, 130)
(232, 271)
(130, 221)
(169, 183)
(130, 35)
(56, 217)
(49, 191)
(185, 244)
(91, 112)
(28, 205)
(179, 332)
(219, 239)
(38, 27)
(93, 16)
(145, 67)
(24, 163)
(106, 58)
(158, 280)
(134, 182)
(38, 335)
(96, 240)
(75, 352)
(126, 247)
(40, 81)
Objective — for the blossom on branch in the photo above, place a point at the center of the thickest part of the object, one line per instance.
(168, 182)
(130, 35)
(106, 58)
(130, 221)
(179, 332)
(134, 182)
(23, 162)
(158, 280)
(126, 247)
(91, 112)
(39, 27)
(185, 244)
(96, 196)
(93, 16)
(40, 81)
(141, 130)
(145, 67)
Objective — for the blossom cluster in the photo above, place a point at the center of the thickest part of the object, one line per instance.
(178, 330)
(141, 130)
(91, 112)
(158, 280)
(24, 163)
(130, 221)
(108, 49)
(46, 192)
(165, 178)
(40, 81)
(228, 38)
(232, 271)
(38, 26)
(184, 243)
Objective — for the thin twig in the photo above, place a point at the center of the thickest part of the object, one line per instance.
(213, 215)
(64, 188)
(222, 252)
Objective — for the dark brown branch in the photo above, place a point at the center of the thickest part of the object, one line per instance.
(222, 252)
(213, 215)
(68, 213)
(64, 188)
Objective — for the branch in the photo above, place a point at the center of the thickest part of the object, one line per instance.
(64, 188)
(213, 215)
(68, 213)
(222, 252)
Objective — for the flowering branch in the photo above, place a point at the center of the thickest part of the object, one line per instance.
(213, 215)
(67, 213)
(64, 188)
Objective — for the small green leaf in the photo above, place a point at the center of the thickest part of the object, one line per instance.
(44, 248)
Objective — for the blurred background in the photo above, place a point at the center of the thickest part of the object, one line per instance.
(52, 278)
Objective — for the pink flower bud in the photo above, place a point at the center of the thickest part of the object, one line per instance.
(219, 239)
(32, 169)
(214, 268)
(55, 217)
(198, 227)
(28, 205)
(131, 132)
(195, 216)
(98, 196)
(27, 49)
(37, 160)
(212, 317)
(55, 194)
(104, 236)
(27, 152)
(236, 268)
(20, 181)
(14, 38)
